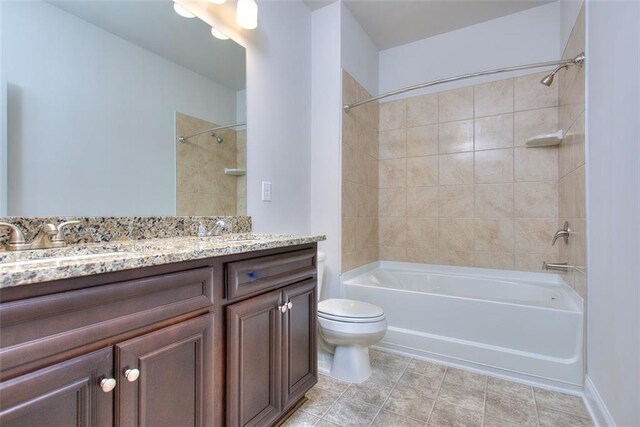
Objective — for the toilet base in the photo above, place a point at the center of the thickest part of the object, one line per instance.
(351, 363)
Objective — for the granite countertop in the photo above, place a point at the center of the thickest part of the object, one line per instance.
(26, 267)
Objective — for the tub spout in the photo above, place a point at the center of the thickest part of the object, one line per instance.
(560, 266)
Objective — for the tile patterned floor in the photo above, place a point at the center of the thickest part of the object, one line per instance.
(408, 392)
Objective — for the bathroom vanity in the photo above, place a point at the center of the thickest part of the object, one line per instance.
(225, 336)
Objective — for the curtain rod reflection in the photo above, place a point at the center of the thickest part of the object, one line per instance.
(235, 125)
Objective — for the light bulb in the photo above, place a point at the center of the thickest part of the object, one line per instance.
(217, 34)
(247, 14)
(182, 11)
(217, 1)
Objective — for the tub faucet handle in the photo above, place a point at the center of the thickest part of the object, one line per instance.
(565, 232)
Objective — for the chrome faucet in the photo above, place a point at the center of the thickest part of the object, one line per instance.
(217, 230)
(49, 236)
(560, 266)
(564, 233)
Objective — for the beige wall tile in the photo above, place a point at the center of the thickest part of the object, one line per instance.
(367, 202)
(349, 261)
(348, 235)
(349, 171)
(578, 243)
(566, 198)
(494, 201)
(207, 204)
(186, 179)
(349, 199)
(393, 144)
(455, 201)
(422, 202)
(577, 139)
(393, 115)
(422, 171)
(528, 124)
(186, 203)
(393, 173)
(456, 104)
(494, 235)
(530, 262)
(496, 260)
(530, 94)
(494, 132)
(392, 202)
(422, 233)
(456, 169)
(494, 166)
(387, 253)
(422, 141)
(349, 129)
(456, 137)
(369, 143)
(366, 233)
(494, 98)
(534, 235)
(462, 258)
(579, 192)
(455, 234)
(393, 232)
(422, 110)
(536, 164)
(422, 256)
(536, 199)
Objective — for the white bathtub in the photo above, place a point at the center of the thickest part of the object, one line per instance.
(523, 325)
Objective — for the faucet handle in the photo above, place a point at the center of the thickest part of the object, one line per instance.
(16, 239)
(59, 237)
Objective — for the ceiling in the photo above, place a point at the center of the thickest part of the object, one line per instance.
(154, 26)
(391, 23)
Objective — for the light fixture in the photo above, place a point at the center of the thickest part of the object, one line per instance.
(182, 11)
(247, 14)
(217, 1)
(217, 34)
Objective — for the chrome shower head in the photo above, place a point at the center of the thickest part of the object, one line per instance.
(548, 79)
(218, 138)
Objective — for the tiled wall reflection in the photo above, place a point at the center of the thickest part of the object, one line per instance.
(571, 186)
(359, 178)
(458, 186)
(201, 184)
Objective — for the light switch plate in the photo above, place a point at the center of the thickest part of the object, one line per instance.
(266, 191)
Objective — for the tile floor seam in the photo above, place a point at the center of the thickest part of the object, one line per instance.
(535, 403)
(484, 404)
(435, 399)
(395, 384)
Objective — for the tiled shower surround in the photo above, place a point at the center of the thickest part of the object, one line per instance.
(202, 186)
(571, 186)
(359, 179)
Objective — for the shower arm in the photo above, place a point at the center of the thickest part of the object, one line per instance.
(578, 60)
(235, 125)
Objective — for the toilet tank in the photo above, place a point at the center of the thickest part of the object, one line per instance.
(321, 259)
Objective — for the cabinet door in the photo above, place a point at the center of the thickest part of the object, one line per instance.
(175, 382)
(254, 360)
(300, 367)
(65, 394)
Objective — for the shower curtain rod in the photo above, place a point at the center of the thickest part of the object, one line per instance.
(578, 60)
(235, 125)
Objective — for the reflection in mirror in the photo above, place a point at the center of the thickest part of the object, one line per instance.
(96, 94)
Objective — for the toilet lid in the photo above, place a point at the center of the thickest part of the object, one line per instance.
(349, 310)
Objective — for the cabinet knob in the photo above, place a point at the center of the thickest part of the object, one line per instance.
(107, 384)
(283, 308)
(289, 305)
(132, 374)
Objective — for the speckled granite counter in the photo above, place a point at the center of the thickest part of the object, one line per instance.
(21, 268)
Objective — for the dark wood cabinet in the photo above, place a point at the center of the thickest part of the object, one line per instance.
(271, 353)
(173, 384)
(222, 341)
(65, 394)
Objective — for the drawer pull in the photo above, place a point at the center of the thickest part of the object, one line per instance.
(132, 374)
(107, 384)
(289, 305)
(283, 308)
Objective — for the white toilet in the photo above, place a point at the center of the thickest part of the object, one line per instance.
(347, 328)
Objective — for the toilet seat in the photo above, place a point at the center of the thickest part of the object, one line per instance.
(349, 311)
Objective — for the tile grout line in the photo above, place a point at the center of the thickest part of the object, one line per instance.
(535, 403)
(435, 399)
(395, 384)
(484, 405)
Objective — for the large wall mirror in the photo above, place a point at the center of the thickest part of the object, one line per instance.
(117, 108)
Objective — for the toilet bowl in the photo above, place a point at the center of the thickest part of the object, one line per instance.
(347, 328)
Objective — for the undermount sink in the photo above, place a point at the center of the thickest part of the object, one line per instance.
(63, 258)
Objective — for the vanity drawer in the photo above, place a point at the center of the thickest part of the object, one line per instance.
(37, 328)
(258, 274)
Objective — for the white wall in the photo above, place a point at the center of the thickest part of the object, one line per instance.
(517, 39)
(359, 55)
(91, 117)
(326, 95)
(278, 108)
(613, 183)
(569, 11)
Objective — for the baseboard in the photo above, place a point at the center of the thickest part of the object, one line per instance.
(595, 405)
